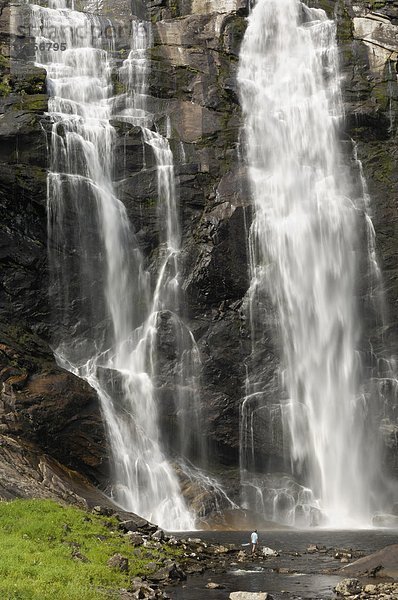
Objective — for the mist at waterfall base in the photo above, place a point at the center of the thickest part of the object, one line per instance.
(305, 261)
(108, 305)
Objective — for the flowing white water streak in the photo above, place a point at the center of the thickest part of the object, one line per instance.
(168, 297)
(302, 246)
(100, 289)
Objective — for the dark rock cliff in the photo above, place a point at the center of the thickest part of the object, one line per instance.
(39, 403)
(194, 93)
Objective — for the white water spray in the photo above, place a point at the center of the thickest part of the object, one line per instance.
(302, 254)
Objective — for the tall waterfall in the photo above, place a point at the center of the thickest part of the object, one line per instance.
(101, 292)
(303, 270)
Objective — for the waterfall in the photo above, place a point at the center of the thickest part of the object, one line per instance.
(303, 244)
(101, 291)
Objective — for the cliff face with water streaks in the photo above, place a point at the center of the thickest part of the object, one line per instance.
(194, 95)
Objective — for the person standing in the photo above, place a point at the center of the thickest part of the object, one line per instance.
(254, 541)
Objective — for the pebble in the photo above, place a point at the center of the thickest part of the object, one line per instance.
(215, 586)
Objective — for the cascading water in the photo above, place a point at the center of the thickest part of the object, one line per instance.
(303, 270)
(167, 299)
(100, 289)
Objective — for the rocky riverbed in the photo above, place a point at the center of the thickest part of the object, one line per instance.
(218, 565)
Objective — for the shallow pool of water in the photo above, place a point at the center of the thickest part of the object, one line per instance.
(308, 579)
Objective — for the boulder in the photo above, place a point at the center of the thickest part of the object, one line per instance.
(134, 523)
(172, 572)
(383, 563)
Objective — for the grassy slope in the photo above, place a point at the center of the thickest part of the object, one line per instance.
(37, 538)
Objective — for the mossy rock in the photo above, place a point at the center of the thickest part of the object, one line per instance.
(5, 88)
(118, 86)
(32, 103)
(32, 85)
(4, 63)
(375, 4)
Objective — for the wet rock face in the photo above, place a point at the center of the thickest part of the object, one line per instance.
(39, 403)
(48, 406)
(368, 36)
(23, 162)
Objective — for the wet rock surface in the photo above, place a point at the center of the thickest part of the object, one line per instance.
(45, 405)
(26, 472)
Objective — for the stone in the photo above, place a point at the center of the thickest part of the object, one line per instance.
(222, 549)
(141, 590)
(78, 556)
(242, 556)
(172, 572)
(343, 553)
(48, 403)
(119, 562)
(269, 552)
(348, 587)
(370, 589)
(214, 586)
(158, 535)
(250, 596)
(135, 538)
(104, 511)
(194, 568)
(135, 523)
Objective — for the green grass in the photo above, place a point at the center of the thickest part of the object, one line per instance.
(37, 538)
